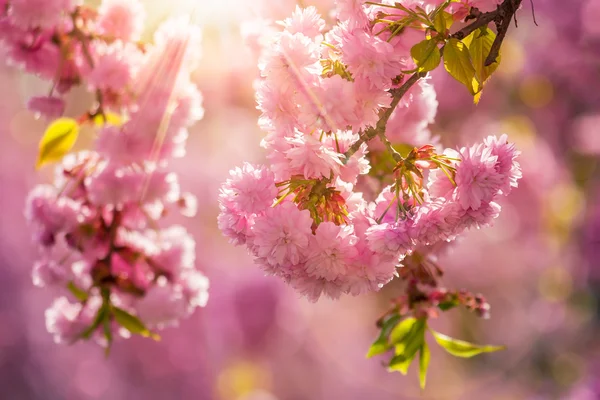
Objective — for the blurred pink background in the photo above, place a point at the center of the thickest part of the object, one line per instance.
(539, 266)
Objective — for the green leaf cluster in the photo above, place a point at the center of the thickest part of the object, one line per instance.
(406, 337)
(463, 59)
(108, 313)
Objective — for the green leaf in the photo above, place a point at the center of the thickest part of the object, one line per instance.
(79, 293)
(401, 363)
(378, 347)
(132, 323)
(446, 305)
(460, 348)
(58, 139)
(402, 330)
(458, 63)
(439, 13)
(408, 336)
(100, 315)
(442, 22)
(381, 345)
(107, 335)
(403, 148)
(426, 55)
(413, 340)
(405, 328)
(424, 357)
(422, 18)
(449, 19)
(480, 43)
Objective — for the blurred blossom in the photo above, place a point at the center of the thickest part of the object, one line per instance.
(590, 12)
(586, 132)
(256, 339)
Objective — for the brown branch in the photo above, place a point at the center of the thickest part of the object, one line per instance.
(502, 16)
(506, 12)
(384, 114)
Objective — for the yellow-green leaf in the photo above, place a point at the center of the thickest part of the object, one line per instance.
(460, 348)
(480, 43)
(79, 293)
(100, 316)
(401, 330)
(408, 337)
(424, 357)
(458, 63)
(426, 55)
(401, 363)
(108, 118)
(442, 22)
(381, 345)
(132, 323)
(58, 139)
(449, 19)
(412, 340)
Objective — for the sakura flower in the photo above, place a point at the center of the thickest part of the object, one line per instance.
(306, 21)
(162, 305)
(322, 108)
(370, 58)
(49, 273)
(50, 213)
(477, 180)
(43, 14)
(352, 11)
(331, 250)
(390, 240)
(177, 251)
(313, 288)
(282, 235)
(435, 221)
(235, 225)
(47, 106)
(115, 66)
(250, 189)
(294, 61)
(506, 164)
(66, 320)
(311, 158)
(121, 19)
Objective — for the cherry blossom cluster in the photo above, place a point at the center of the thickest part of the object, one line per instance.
(315, 217)
(70, 44)
(98, 224)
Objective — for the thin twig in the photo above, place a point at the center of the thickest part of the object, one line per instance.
(384, 114)
(506, 11)
(502, 16)
(533, 13)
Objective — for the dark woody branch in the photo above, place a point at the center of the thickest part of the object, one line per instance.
(502, 17)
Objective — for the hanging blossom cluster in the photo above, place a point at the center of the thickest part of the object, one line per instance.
(98, 224)
(318, 217)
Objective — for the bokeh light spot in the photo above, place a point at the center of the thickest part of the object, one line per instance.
(521, 131)
(567, 369)
(555, 284)
(241, 379)
(536, 91)
(513, 58)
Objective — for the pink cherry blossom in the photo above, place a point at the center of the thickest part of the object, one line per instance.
(332, 248)
(477, 180)
(282, 235)
(250, 189)
(121, 19)
(306, 21)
